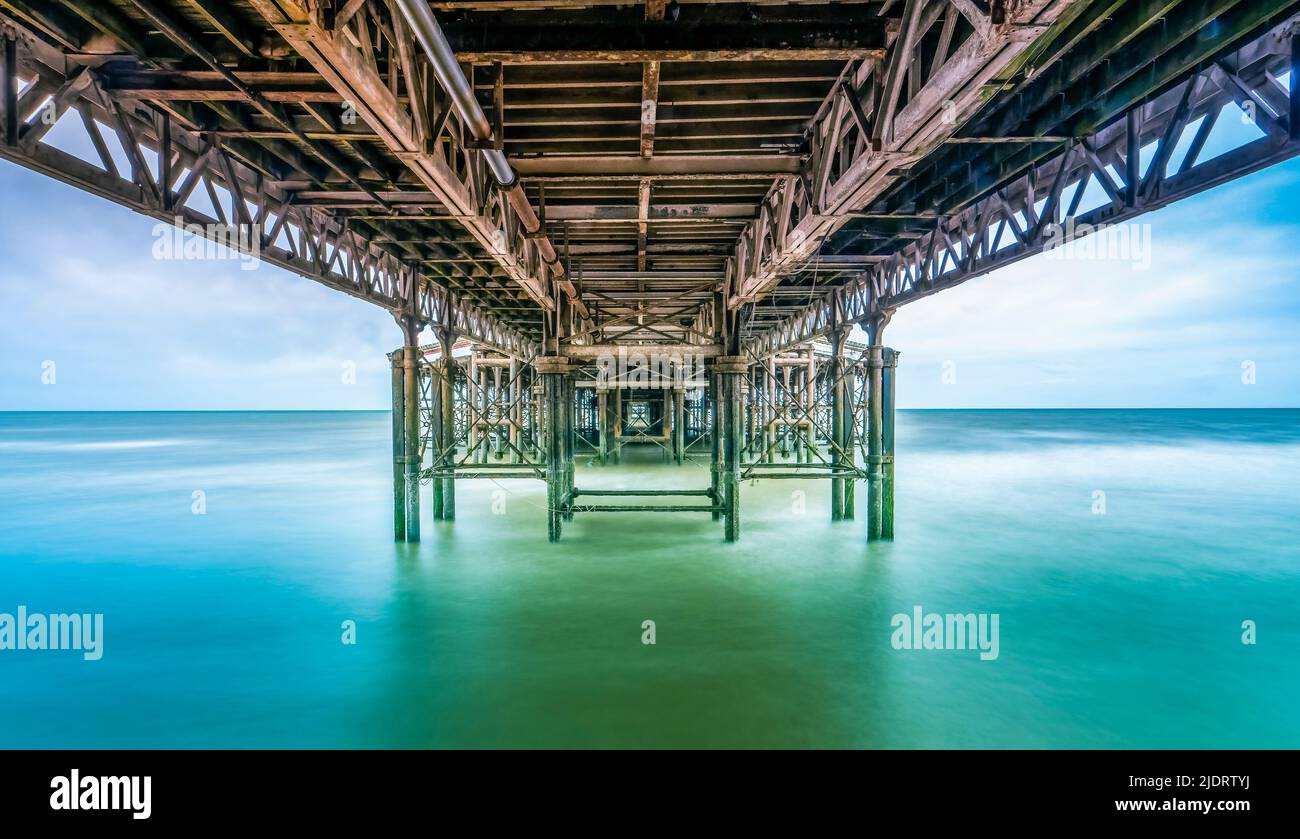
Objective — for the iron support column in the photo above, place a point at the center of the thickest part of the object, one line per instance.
(875, 443)
(875, 426)
(887, 442)
(679, 425)
(570, 440)
(618, 425)
(396, 358)
(849, 425)
(448, 421)
(554, 370)
(411, 411)
(602, 426)
(838, 447)
(436, 437)
(512, 413)
(731, 371)
(715, 443)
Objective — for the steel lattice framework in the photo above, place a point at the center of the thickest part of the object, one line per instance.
(294, 234)
(686, 173)
(546, 183)
(1147, 158)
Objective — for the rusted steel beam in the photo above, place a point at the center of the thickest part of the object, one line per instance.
(466, 193)
(843, 173)
(549, 40)
(657, 167)
(1034, 209)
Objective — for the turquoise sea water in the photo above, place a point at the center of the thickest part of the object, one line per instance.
(1120, 629)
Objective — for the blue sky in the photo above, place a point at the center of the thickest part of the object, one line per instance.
(79, 287)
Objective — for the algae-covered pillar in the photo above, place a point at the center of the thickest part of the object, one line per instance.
(887, 442)
(557, 389)
(396, 359)
(714, 407)
(570, 432)
(408, 521)
(445, 420)
(679, 424)
(876, 430)
(731, 371)
(841, 428)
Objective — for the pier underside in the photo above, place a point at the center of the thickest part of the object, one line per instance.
(681, 226)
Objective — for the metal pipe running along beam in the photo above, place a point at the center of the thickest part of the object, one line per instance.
(419, 17)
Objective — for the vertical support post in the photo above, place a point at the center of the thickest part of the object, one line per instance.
(9, 96)
(875, 428)
(472, 418)
(448, 424)
(887, 442)
(875, 442)
(396, 359)
(849, 426)
(484, 420)
(836, 372)
(770, 432)
(570, 440)
(552, 370)
(514, 413)
(731, 369)
(618, 425)
(756, 412)
(436, 436)
(602, 426)
(810, 397)
(679, 424)
(715, 442)
(666, 423)
(411, 410)
(498, 415)
(553, 386)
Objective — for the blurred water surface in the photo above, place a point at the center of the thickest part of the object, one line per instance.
(224, 629)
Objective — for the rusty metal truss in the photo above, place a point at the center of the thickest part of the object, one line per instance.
(703, 174)
(1148, 157)
(291, 232)
(878, 119)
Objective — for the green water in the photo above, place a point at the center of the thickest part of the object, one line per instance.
(1120, 629)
